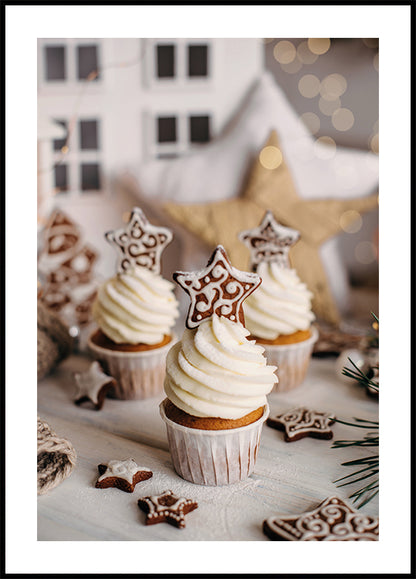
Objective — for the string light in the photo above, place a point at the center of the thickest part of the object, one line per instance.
(309, 86)
(270, 157)
(351, 221)
(284, 51)
(343, 119)
(319, 45)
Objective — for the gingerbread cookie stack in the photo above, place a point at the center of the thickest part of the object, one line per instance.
(279, 315)
(135, 311)
(216, 379)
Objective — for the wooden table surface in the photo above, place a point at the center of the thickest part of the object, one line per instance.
(289, 478)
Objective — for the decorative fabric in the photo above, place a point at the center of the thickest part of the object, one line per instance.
(54, 341)
(56, 458)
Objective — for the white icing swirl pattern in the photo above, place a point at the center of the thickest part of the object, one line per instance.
(281, 305)
(214, 371)
(137, 306)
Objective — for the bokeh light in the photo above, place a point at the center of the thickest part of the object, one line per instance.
(328, 107)
(312, 121)
(343, 119)
(374, 143)
(309, 86)
(325, 148)
(292, 67)
(365, 252)
(319, 45)
(284, 51)
(270, 157)
(304, 54)
(333, 86)
(351, 221)
(370, 42)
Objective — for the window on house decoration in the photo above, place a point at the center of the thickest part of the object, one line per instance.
(59, 143)
(90, 177)
(165, 61)
(87, 61)
(197, 60)
(61, 178)
(55, 63)
(88, 135)
(199, 131)
(166, 130)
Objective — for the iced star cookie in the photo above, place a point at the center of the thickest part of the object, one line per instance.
(332, 520)
(301, 422)
(92, 386)
(121, 474)
(166, 507)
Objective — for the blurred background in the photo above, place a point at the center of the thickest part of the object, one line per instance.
(124, 122)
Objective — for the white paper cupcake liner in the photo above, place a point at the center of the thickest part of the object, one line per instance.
(292, 361)
(138, 375)
(213, 457)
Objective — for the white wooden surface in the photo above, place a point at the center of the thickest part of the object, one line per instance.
(288, 478)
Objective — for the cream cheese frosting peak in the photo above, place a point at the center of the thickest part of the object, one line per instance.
(214, 371)
(281, 305)
(137, 306)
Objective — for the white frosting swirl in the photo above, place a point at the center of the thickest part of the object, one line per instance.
(137, 306)
(281, 305)
(216, 372)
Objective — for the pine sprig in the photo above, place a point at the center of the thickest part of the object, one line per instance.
(359, 376)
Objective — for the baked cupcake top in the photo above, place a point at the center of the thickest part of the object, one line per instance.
(215, 371)
(137, 306)
(282, 305)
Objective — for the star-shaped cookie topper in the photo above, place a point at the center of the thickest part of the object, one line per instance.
(139, 243)
(269, 242)
(121, 474)
(332, 520)
(218, 289)
(166, 507)
(301, 422)
(93, 385)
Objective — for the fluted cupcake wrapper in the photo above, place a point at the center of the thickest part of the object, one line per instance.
(138, 375)
(213, 457)
(292, 361)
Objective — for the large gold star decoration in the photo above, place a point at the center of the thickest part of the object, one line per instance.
(270, 187)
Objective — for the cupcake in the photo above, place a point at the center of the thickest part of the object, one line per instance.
(135, 312)
(217, 380)
(279, 314)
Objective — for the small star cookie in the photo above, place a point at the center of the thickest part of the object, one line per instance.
(121, 474)
(166, 507)
(301, 422)
(332, 520)
(93, 386)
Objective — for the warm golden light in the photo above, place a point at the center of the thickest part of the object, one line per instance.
(292, 67)
(319, 45)
(270, 157)
(351, 221)
(328, 151)
(328, 107)
(309, 86)
(374, 143)
(284, 51)
(64, 149)
(304, 54)
(365, 252)
(375, 326)
(343, 119)
(333, 86)
(312, 121)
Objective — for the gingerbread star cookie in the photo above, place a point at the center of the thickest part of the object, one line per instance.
(139, 243)
(332, 520)
(121, 474)
(269, 242)
(301, 422)
(166, 507)
(92, 386)
(218, 289)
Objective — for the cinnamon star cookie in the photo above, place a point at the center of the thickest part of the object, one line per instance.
(93, 386)
(121, 474)
(166, 507)
(301, 422)
(332, 520)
